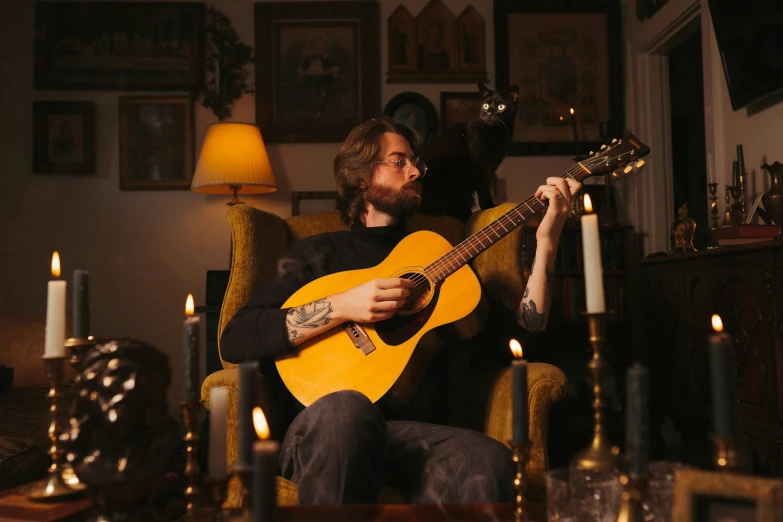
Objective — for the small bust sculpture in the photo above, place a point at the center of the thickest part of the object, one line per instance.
(120, 429)
(683, 231)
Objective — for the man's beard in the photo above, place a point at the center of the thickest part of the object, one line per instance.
(397, 203)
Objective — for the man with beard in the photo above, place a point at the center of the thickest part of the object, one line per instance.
(342, 448)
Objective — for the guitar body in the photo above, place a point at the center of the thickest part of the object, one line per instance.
(332, 362)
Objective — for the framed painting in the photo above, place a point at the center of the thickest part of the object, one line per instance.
(317, 69)
(64, 137)
(119, 45)
(436, 46)
(311, 202)
(458, 107)
(417, 113)
(707, 496)
(563, 55)
(156, 142)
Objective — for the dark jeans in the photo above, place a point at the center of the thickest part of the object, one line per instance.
(341, 450)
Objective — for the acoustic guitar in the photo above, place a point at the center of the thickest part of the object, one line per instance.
(370, 358)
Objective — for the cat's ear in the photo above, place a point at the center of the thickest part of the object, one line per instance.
(484, 90)
(514, 92)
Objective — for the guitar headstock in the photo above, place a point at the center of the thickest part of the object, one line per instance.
(618, 157)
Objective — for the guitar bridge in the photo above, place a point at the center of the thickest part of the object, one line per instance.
(359, 337)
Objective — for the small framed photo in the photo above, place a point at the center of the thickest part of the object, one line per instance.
(458, 107)
(417, 113)
(311, 202)
(64, 137)
(707, 496)
(156, 142)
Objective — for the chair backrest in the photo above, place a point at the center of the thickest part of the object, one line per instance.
(260, 238)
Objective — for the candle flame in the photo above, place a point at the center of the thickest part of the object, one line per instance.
(561, 118)
(516, 348)
(56, 264)
(572, 110)
(588, 204)
(259, 423)
(189, 308)
(717, 324)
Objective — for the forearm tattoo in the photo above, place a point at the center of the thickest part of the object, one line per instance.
(533, 320)
(312, 315)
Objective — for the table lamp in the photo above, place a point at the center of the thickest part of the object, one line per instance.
(233, 159)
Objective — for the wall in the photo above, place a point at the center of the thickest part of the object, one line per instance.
(147, 250)
(647, 198)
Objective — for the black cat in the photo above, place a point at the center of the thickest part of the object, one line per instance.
(462, 160)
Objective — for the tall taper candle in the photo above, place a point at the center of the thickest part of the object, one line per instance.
(190, 342)
(81, 304)
(248, 377)
(218, 421)
(576, 136)
(264, 471)
(55, 313)
(591, 253)
(637, 419)
(740, 160)
(519, 415)
(722, 393)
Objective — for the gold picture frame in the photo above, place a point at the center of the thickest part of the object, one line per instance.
(708, 496)
(324, 201)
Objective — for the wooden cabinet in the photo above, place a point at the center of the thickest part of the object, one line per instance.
(677, 296)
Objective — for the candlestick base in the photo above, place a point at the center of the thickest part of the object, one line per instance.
(599, 455)
(54, 486)
(190, 415)
(727, 457)
(520, 454)
(245, 474)
(631, 501)
(218, 489)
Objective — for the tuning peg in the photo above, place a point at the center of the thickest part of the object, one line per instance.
(603, 147)
(591, 153)
(640, 164)
(616, 174)
(628, 169)
(614, 140)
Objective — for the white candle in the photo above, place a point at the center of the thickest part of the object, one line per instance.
(218, 420)
(710, 172)
(55, 313)
(591, 253)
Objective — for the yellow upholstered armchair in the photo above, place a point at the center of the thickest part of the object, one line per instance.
(260, 238)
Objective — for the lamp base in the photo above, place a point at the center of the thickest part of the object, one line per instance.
(235, 190)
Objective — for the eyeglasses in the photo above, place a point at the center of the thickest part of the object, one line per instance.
(420, 165)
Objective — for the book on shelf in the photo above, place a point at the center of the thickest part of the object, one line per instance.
(734, 241)
(745, 231)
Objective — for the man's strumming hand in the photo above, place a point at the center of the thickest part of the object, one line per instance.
(373, 301)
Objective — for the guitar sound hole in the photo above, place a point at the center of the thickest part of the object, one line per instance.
(419, 297)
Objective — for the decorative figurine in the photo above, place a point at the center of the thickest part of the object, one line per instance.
(683, 231)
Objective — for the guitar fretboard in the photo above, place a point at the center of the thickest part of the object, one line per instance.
(472, 246)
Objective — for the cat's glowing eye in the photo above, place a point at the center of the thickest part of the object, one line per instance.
(501, 107)
(485, 106)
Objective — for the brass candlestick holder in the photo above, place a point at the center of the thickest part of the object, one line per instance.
(599, 455)
(245, 474)
(54, 486)
(741, 180)
(736, 206)
(713, 203)
(727, 456)
(190, 415)
(727, 215)
(634, 489)
(520, 454)
(77, 348)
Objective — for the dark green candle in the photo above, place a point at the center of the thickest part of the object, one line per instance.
(81, 304)
(722, 392)
(637, 419)
(519, 418)
(248, 378)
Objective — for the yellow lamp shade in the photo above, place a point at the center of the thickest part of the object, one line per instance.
(233, 156)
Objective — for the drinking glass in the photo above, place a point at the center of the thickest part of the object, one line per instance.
(576, 495)
(657, 503)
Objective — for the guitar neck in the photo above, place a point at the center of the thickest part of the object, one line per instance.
(472, 246)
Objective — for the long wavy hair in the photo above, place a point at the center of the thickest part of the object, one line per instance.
(355, 163)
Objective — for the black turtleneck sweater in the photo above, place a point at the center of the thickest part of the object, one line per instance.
(258, 330)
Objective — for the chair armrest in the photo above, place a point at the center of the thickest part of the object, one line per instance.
(500, 268)
(547, 384)
(258, 240)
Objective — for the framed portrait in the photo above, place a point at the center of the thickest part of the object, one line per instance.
(458, 107)
(436, 46)
(64, 137)
(707, 496)
(317, 69)
(119, 45)
(563, 60)
(156, 142)
(417, 113)
(311, 202)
